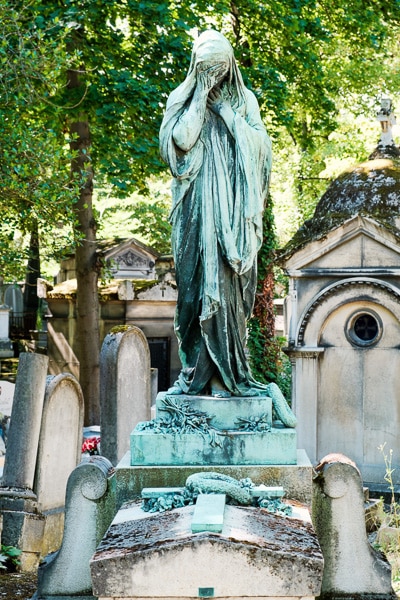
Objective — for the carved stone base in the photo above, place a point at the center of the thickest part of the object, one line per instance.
(224, 413)
(204, 430)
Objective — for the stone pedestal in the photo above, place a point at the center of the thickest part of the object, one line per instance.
(23, 525)
(224, 413)
(203, 430)
(235, 436)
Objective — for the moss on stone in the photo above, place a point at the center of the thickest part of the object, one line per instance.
(66, 289)
(107, 290)
(371, 189)
(120, 329)
(144, 284)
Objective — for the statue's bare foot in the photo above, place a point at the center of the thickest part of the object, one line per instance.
(218, 390)
(175, 390)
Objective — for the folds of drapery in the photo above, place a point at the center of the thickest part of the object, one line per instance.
(219, 189)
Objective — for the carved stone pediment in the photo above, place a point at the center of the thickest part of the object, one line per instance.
(358, 243)
(132, 261)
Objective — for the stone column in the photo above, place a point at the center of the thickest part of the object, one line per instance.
(305, 396)
(291, 311)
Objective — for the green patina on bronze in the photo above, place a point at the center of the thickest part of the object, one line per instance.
(238, 492)
(218, 151)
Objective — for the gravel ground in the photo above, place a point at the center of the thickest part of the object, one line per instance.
(17, 586)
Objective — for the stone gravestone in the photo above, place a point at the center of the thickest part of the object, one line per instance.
(6, 347)
(89, 509)
(43, 448)
(14, 299)
(125, 389)
(6, 397)
(352, 567)
(59, 452)
(26, 417)
(6, 401)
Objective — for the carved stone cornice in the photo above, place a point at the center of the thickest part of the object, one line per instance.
(304, 352)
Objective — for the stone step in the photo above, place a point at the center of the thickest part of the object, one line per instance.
(295, 479)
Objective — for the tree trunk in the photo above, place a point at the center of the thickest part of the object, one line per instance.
(31, 300)
(87, 301)
(87, 345)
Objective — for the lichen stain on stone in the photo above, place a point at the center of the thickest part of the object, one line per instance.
(260, 537)
(287, 534)
(138, 535)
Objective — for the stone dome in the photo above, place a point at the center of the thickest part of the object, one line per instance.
(370, 189)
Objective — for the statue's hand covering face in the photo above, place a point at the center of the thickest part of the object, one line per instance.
(212, 72)
(212, 50)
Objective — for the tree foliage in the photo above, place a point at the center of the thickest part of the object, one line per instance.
(305, 59)
(35, 184)
(145, 217)
(310, 62)
(261, 326)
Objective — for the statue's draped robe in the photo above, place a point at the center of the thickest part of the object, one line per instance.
(219, 189)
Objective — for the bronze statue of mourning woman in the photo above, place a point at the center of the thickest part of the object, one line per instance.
(219, 154)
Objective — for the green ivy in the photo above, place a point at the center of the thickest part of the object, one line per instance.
(9, 558)
(267, 359)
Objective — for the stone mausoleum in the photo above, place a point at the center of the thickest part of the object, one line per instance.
(343, 314)
(140, 291)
